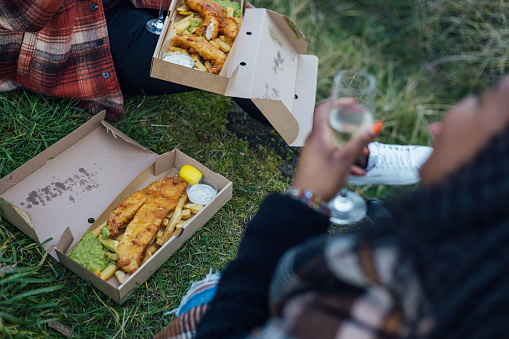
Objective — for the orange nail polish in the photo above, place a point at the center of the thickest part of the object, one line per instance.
(377, 127)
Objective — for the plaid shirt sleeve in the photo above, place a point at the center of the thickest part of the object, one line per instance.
(27, 15)
(61, 49)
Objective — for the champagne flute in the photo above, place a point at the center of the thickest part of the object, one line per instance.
(155, 26)
(345, 121)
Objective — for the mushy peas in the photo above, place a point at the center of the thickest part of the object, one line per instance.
(234, 4)
(89, 252)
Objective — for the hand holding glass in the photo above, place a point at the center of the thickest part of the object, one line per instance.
(346, 121)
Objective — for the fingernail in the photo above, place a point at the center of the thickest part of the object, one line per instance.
(434, 128)
(377, 127)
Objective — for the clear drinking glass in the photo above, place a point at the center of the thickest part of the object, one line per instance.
(156, 25)
(345, 121)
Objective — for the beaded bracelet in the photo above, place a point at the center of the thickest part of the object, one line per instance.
(309, 199)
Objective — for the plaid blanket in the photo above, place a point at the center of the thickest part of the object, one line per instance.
(61, 48)
(335, 287)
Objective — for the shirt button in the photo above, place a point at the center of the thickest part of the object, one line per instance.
(100, 42)
(93, 7)
(106, 75)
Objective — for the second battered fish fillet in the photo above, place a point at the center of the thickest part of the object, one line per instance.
(211, 11)
(194, 44)
(161, 197)
(124, 212)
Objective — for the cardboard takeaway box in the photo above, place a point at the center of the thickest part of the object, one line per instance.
(54, 195)
(265, 65)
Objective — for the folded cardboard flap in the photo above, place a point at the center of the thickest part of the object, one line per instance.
(280, 81)
(71, 181)
(18, 217)
(268, 58)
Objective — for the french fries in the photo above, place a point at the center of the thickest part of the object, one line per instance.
(183, 24)
(214, 44)
(223, 45)
(98, 230)
(119, 275)
(181, 224)
(194, 208)
(197, 63)
(185, 214)
(175, 218)
(108, 272)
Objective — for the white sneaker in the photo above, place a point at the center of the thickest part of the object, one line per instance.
(392, 165)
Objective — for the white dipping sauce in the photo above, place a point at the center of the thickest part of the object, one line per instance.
(201, 193)
(179, 59)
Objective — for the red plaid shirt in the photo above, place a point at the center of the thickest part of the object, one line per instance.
(61, 48)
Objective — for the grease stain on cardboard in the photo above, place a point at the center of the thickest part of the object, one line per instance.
(70, 188)
(278, 63)
(275, 37)
(271, 93)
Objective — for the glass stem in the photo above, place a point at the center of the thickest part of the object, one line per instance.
(161, 16)
(343, 192)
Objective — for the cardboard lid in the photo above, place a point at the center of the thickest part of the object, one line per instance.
(271, 70)
(72, 181)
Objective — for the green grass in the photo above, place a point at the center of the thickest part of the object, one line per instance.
(425, 55)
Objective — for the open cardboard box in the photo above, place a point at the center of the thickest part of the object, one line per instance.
(265, 65)
(54, 196)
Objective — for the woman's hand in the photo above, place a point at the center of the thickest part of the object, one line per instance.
(323, 168)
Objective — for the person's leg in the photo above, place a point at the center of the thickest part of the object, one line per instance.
(251, 109)
(132, 47)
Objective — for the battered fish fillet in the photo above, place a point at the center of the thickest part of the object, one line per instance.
(194, 44)
(124, 212)
(213, 11)
(229, 27)
(161, 197)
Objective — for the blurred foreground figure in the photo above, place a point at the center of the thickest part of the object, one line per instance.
(439, 268)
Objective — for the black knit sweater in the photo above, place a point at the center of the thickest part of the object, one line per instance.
(241, 301)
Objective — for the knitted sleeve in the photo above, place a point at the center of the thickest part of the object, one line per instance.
(241, 301)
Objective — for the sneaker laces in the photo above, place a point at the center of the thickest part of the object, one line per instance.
(394, 157)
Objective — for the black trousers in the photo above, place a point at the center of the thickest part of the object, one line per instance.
(132, 47)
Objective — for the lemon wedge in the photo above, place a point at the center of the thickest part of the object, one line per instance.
(190, 174)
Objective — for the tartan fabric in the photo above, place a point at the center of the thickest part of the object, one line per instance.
(60, 48)
(184, 326)
(333, 287)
